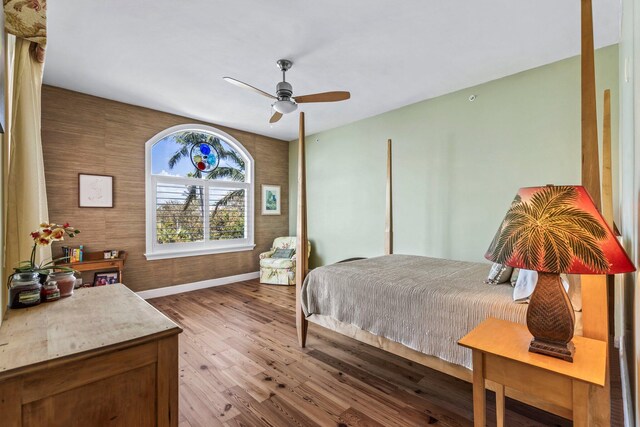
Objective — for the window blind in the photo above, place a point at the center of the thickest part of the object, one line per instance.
(179, 213)
(227, 216)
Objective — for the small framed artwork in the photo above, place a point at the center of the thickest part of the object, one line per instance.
(102, 279)
(95, 191)
(270, 200)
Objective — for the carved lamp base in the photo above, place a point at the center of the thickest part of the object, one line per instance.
(550, 318)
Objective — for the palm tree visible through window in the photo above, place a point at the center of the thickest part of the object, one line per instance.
(181, 208)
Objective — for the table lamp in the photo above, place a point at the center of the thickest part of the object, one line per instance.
(553, 230)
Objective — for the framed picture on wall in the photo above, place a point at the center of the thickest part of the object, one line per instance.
(270, 200)
(95, 191)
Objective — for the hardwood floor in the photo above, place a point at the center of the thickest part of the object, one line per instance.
(240, 365)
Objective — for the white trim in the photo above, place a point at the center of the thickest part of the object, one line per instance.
(627, 401)
(180, 253)
(188, 287)
(177, 250)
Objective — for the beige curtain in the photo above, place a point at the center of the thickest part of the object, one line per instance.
(24, 198)
(26, 190)
(8, 47)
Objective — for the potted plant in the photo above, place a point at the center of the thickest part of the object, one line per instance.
(45, 236)
(25, 283)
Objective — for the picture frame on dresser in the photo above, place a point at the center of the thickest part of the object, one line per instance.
(105, 278)
(95, 191)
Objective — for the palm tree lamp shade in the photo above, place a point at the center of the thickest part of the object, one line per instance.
(553, 230)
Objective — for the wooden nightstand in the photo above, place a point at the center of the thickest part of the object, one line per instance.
(501, 355)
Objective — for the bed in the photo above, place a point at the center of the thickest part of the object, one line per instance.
(425, 304)
(417, 345)
(352, 298)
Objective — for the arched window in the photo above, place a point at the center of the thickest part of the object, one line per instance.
(199, 193)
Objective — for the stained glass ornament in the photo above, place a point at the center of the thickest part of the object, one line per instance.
(204, 157)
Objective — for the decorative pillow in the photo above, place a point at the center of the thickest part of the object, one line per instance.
(283, 253)
(514, 277)
(526, 284)
(499, 273)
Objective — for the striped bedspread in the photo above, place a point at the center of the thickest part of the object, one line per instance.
(427, 304)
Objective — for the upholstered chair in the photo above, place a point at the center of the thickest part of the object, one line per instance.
(279, 271)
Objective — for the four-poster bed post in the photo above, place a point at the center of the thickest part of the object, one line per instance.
(388, 227)
(594, 288)
(302, 250)
(607, 179)
(590, 158)
(607, 198)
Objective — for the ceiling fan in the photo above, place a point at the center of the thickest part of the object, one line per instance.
(285, 102)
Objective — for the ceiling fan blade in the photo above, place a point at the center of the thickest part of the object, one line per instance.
(276, 116)
(248, 86)
(323, 97)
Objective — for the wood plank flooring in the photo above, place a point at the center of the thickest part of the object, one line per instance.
(240, 365)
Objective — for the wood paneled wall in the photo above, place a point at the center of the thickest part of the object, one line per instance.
(86, 134)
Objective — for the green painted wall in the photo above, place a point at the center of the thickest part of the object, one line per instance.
(457, 164)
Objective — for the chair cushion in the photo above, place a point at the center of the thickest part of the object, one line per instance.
(283, 253)
(277, 263)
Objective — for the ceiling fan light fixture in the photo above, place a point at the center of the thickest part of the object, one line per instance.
(285, 106)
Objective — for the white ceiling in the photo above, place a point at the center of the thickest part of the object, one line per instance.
(171, 55)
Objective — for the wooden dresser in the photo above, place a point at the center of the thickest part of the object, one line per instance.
(101, 357)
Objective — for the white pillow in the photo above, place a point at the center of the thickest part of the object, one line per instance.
(526, 284)
(514, 276)
(575, 290)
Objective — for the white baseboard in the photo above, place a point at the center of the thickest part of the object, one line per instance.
(187, 287)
